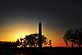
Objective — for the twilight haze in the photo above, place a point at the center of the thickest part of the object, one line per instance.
(20, 18)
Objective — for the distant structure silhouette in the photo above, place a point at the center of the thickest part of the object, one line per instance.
(40, 35)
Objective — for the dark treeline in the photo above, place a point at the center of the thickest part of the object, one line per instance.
(5, 44)
(29, 41)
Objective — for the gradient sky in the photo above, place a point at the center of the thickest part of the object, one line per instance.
(20, 18)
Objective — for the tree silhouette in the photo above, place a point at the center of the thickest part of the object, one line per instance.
(50, 43)
(79, 37)
(18, 42)
(74, 36)
(21, 39)
(69, 36)
(32, 40)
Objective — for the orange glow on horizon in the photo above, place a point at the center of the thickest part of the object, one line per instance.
(14, 32)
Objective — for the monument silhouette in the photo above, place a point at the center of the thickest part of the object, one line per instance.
(40, 35)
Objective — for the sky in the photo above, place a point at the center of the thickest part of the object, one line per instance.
(21, 17)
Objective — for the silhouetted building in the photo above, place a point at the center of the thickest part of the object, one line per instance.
(40, 35)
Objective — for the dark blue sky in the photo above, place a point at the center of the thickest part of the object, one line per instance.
(58, 13)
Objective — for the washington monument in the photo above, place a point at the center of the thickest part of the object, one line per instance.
(40, 35)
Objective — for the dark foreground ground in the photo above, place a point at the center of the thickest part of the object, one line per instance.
(41, 51)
